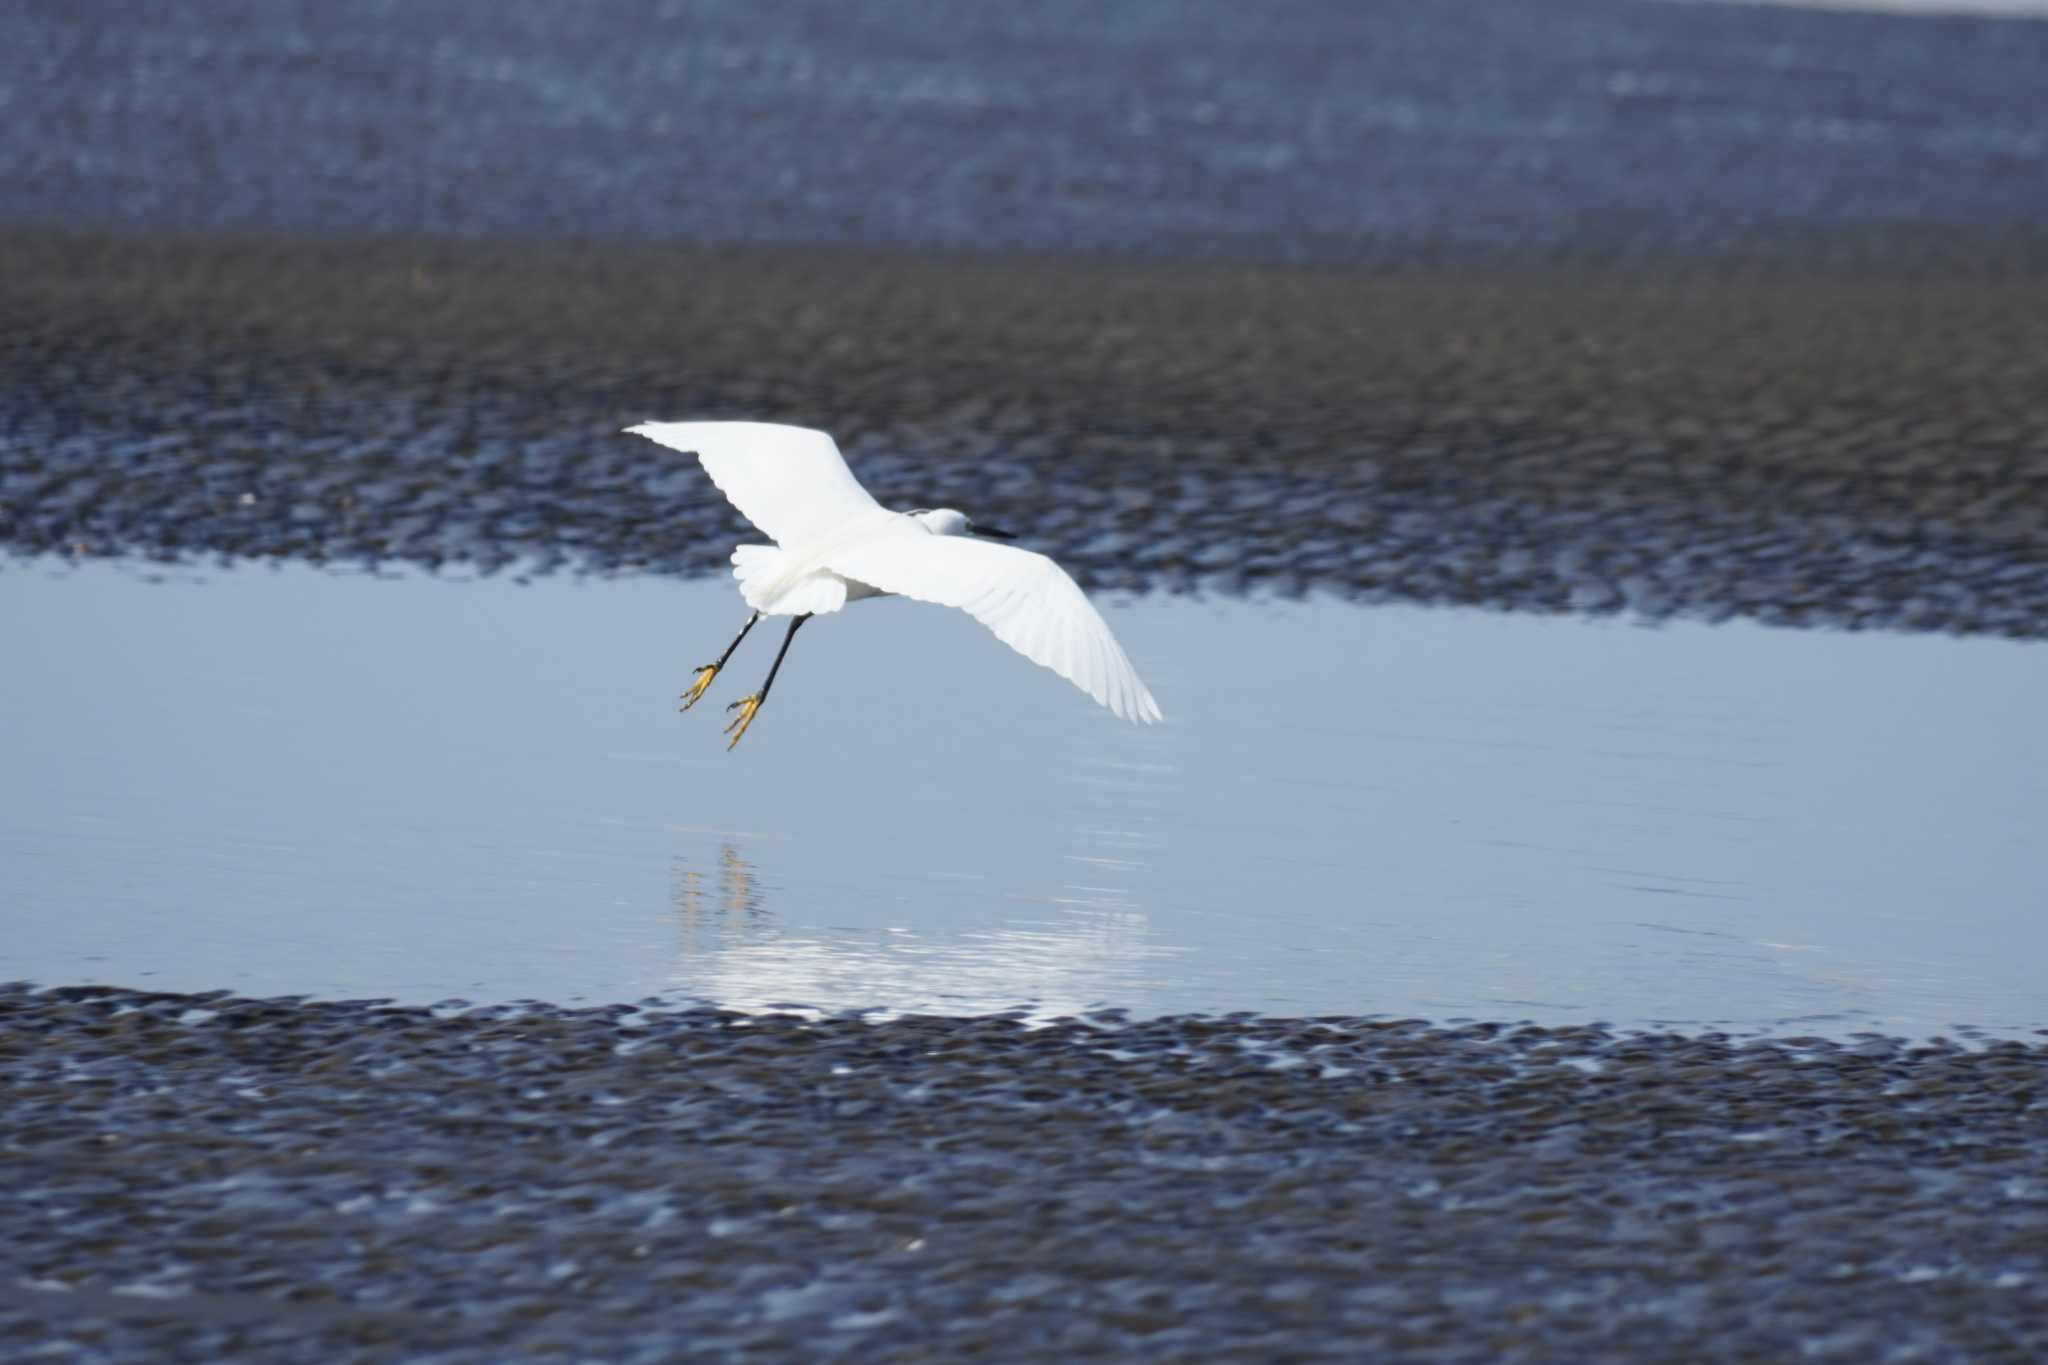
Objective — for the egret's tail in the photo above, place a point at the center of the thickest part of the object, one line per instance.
(763, 574)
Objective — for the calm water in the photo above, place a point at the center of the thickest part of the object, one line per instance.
(1325, 132)
(295, 781)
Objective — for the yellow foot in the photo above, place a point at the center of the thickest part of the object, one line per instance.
(746, 706)
(696, 693)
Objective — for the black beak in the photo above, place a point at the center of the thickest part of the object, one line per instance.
(992, 533)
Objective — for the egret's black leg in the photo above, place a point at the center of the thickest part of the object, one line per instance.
(706, 672)
(776, 667)
(747, 706)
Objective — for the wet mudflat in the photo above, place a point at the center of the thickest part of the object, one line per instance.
(1792, 447)
(208, 1178)
(1680, 308)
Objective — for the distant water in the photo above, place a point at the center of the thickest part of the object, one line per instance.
(291, 781)
(2015, 9)
(1329, 132)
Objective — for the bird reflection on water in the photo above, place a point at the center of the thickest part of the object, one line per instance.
(712, 919)
(738, 952)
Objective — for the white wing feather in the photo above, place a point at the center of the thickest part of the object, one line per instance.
(791, 482)
(1026, 599)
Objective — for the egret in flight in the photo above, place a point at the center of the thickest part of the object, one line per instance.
(835, 544)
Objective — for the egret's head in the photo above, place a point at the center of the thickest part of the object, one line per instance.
(946, 521)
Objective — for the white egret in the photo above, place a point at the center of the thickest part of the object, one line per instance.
(835, 544)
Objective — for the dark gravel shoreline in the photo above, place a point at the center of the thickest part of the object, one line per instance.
(203, 1177)
(1824, 446)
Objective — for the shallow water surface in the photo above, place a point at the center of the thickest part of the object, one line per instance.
(289, 780)
(1170, 128)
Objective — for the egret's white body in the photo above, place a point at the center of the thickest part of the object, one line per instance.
(835, 544)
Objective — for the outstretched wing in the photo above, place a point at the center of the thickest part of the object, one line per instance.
(1025, 598)
(789, 481)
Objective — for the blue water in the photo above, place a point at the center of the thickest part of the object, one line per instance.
(286, 781)
(1322, 132)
